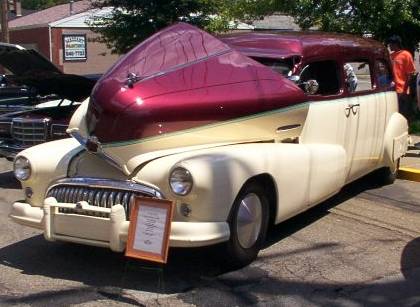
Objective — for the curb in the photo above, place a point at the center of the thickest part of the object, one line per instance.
(407, 173)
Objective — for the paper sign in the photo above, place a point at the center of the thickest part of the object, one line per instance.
(148, 234)
(74, 47)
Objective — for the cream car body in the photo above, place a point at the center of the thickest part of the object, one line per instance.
(297, 156)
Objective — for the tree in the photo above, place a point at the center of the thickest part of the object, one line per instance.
(381, 18)
(132, 21)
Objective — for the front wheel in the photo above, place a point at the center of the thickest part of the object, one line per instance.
(248, 224)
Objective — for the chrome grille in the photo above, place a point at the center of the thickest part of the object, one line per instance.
(99, 192)
(29, 132)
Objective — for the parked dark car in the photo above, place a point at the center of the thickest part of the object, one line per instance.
(36, 99)
(14, 97)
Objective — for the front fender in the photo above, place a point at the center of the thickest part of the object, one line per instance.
(218, 175)
(49, 162)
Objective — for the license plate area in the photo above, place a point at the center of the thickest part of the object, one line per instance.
(76, 220)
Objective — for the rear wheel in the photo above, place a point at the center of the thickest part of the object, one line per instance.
(248, 224)
(387, 175)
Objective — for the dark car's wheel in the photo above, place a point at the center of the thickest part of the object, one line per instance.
(248, 224)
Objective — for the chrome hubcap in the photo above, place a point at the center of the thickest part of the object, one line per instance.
(249, 220)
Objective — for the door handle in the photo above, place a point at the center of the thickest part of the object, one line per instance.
(354, 108)
(351, 108)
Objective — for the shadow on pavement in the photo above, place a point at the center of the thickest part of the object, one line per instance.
(8, 181)
(410, 258)
(99, 267)
(107, 274)
(278, 292)
(287, 228)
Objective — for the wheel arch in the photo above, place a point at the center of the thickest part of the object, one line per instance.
(267, 182)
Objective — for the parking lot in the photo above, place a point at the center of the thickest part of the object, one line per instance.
(361, 247)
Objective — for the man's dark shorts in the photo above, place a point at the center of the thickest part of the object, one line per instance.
(405, 105)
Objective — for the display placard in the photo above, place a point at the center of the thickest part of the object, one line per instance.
(149, 230)
(74, 47)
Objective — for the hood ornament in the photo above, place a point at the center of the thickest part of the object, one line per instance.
(92, 145)
(131, 79)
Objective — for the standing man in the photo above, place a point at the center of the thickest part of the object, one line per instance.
(403, 68)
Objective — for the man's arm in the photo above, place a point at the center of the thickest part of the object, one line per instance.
(409, 69)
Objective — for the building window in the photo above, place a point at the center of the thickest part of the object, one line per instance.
(74, 47)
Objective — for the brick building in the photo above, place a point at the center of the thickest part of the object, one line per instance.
(61, 34)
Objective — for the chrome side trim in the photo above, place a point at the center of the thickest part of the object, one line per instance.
(128, 186)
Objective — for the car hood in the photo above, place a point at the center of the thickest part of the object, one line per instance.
(182, 78)
(183, 88)
(32, 69)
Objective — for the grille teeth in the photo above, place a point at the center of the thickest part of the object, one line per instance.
(100, 197)
(29, 132)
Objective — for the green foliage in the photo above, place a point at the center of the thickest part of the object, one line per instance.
(415, 127)
(41, 4)
(134, 21)
(381, 18)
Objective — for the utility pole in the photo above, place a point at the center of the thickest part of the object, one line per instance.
(4, 22)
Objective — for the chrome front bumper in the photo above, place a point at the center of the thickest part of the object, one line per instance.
(108, 232)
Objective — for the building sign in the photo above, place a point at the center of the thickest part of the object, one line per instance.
(74, 47)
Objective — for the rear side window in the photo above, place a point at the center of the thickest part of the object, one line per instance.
(383, 74)
(357, 76)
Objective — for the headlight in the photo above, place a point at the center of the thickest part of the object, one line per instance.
(181, 181)
(22, 168)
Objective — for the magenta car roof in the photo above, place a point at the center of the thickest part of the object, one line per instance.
(305, 44)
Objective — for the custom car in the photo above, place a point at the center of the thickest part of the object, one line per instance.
(240, 132)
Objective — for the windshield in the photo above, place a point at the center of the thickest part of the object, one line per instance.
(281, 66)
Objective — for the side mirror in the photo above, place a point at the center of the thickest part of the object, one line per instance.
(311, 86)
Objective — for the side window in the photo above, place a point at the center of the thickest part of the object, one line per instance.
(325, 74)
(383, 74)
(357, 76)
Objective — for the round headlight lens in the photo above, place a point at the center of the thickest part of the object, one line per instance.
(181, 181)
(22, 168)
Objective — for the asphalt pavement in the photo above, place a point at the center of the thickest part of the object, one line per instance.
(360, 248)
